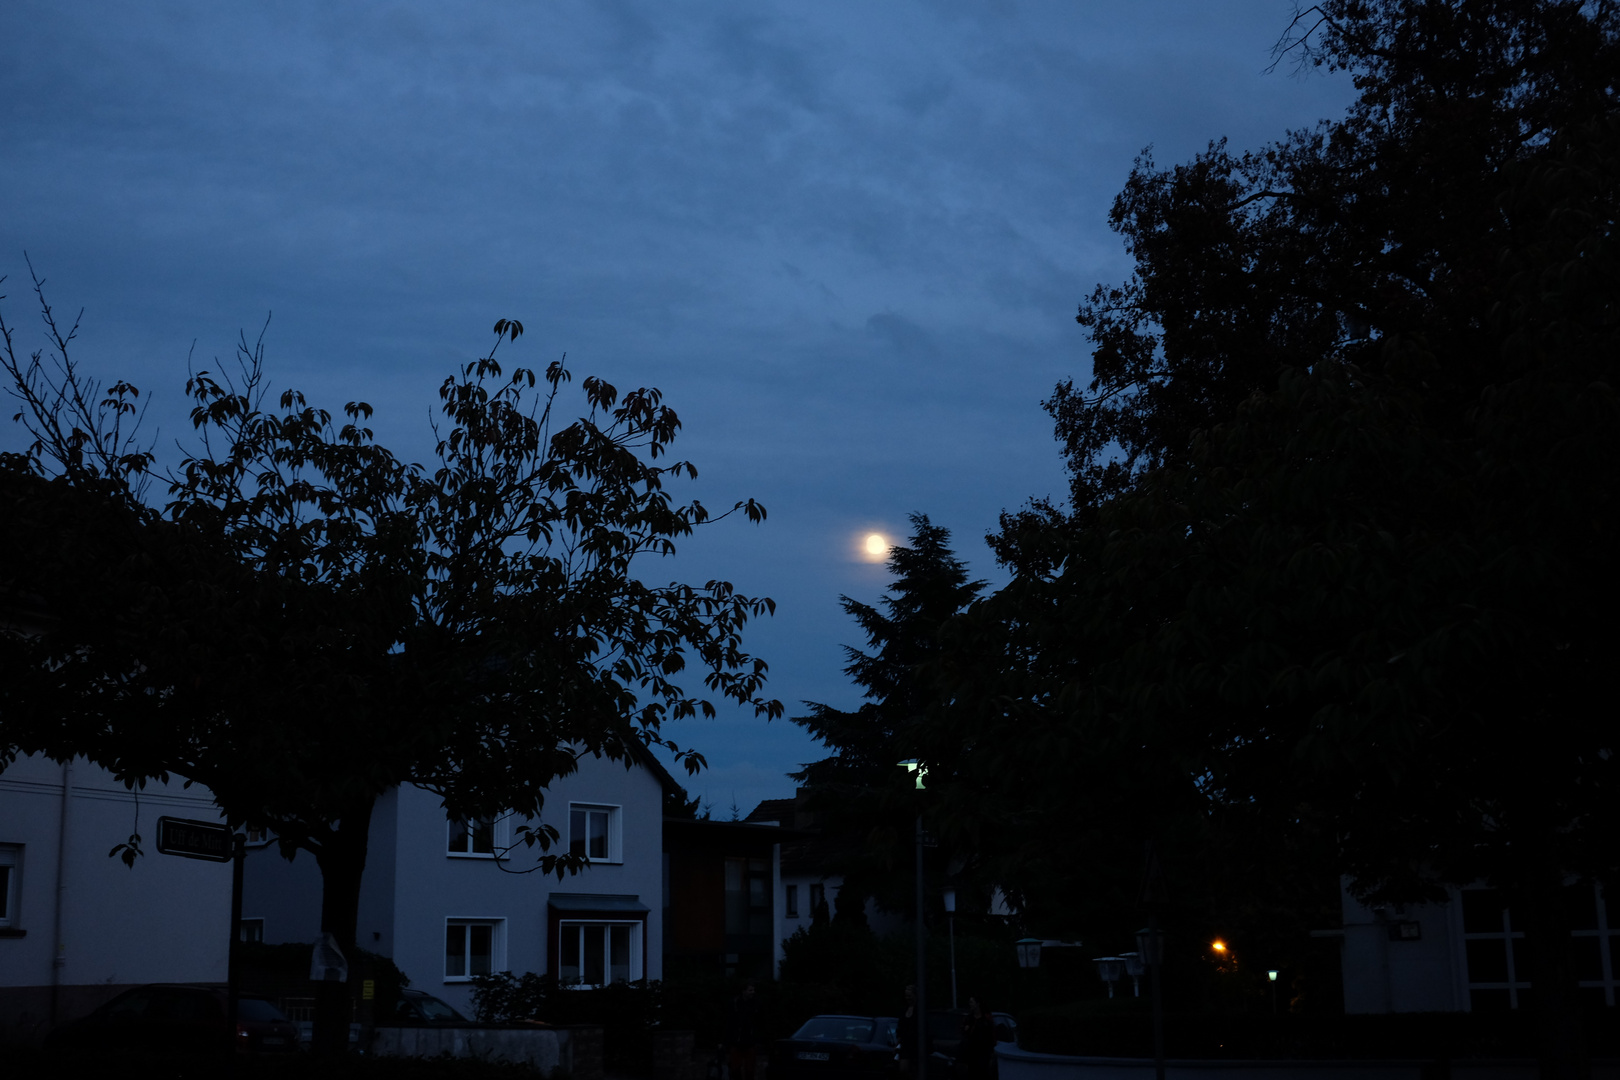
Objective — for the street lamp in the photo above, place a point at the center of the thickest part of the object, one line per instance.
(1150, 943)
(950, 912)
(1109, 969)
(912, 765)
(1271, 977)
(1134, 967)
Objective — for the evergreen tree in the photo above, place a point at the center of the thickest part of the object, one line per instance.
(856, 793)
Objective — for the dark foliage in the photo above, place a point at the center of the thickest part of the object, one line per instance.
(308, 622)
(861, 798)
(1335, 589)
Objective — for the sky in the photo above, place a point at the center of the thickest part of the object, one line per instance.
(847, 240)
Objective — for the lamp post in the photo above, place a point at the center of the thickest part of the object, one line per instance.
(1150, 943)
(1134, 968)
(950, 916)
(1271, 977)
(1109, 969)
(921, 1004)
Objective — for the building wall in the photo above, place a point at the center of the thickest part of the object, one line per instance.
(167, 919)
(432, 886)
(1402, 958)
(413, 884)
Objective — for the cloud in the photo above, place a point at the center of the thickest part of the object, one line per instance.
(906, 337)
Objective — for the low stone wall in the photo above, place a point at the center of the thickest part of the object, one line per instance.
(1016, 1064)
(546, 1049)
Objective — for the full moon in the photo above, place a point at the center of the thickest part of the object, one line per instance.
(876, 545)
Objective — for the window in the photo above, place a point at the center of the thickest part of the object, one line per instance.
(596, 954)
(473, 947)
(474, 838)
(792, 901)
(10, 884)
(593, 831)
(1495, 951)
(250, 930)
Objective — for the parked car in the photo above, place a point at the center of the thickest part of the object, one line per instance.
(837, 1046)
(178, 1019)
(945, 1029)
(418, 1008)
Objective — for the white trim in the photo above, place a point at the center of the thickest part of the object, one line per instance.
(497, 943)
(11, 857)
(638, 932)
(500, 839)
(615, 830)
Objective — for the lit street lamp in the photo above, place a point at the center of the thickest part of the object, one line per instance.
(1271, 977)
(916, 767)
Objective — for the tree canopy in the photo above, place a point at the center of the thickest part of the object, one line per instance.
(858, 793)
(1334, 590)
(307, 621)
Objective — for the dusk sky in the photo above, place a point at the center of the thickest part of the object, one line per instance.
(847, 240)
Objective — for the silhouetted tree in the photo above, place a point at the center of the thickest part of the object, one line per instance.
(309, 622)
(859, 794)
(1335, 588)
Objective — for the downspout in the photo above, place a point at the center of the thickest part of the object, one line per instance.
(58, 949)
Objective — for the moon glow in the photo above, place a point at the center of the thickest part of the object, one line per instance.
(876, 545)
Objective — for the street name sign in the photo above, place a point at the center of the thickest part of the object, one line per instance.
(194, 839)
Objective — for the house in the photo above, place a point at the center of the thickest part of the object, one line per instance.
(723, 897)
(78, 926)
(450, 900)
(806, 882)
(1465, 953)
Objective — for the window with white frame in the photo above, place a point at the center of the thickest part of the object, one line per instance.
(1494, 948)
(477, 837)
(473, 947)
(594, 831)
(598, 953)
(10, 883)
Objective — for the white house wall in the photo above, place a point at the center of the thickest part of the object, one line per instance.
(1384, 973)
(167, 919)
(413, 884)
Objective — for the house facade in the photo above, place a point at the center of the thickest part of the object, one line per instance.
(449, 900)
(1466, 953)
(805, 880)
(722, 896)
(78, 926)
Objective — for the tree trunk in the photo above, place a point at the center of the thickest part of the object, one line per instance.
(342, 859)
(1554, 986)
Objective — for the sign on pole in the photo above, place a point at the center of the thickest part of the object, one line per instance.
(194, 839)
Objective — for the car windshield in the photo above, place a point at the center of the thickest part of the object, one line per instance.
(257, 1010)
(836, 1029)
(434, 1009)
